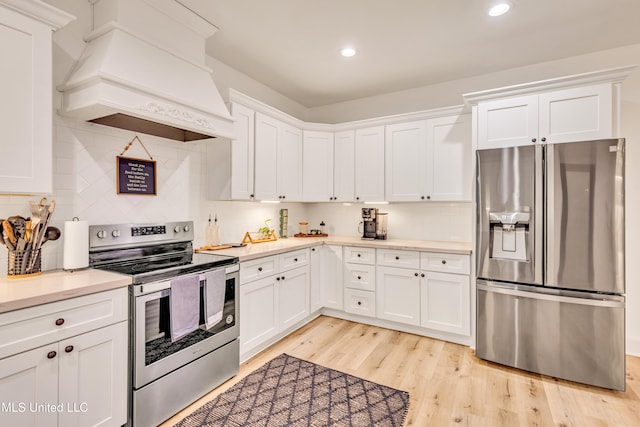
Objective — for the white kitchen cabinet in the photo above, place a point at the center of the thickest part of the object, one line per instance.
(429, 160)
(328, 273)
(408, 158)
(258, 312)
(344, 166)
(274, 296)
(359, 280)
(278, 160)
(230, 163)
(26, 87)
(574, 114)
(445, 302)
(369, 164)
(451, 166)
(398, 295)
(317, 166)
(294, 297)
(70, 354)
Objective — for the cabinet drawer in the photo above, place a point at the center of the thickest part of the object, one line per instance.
(446, 263)
(258, 268)
(32, 327)
(360, 302)
(294, 259)
(360, 276)
(396, 258)
(360, 255)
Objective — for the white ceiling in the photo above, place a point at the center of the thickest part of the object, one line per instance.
(293, 46)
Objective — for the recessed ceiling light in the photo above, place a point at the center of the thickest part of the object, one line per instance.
(348, 52)
(499, 9)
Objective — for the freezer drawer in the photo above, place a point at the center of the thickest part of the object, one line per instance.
(553, 333)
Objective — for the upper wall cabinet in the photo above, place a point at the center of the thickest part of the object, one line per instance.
(26, 29)
(328, 166)
(230, 162)
(317, 166)
(369, 164)
(429, 160)
(278, 160)
(574, 108)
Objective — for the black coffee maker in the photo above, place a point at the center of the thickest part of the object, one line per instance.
(369, 223)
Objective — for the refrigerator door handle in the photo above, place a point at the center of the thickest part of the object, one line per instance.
(596, 302)
(538, 214)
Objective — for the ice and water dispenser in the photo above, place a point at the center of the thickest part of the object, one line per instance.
(509, 232)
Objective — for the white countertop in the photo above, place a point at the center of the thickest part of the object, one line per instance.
(257, 250)
(56, 285)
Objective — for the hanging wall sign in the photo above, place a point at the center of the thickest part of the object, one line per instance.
(136, 176)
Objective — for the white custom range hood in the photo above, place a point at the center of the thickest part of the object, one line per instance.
(143, 69)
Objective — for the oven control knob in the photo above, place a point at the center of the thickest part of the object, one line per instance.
(115, 233)
(229, 319)
(101, 234)
(186, 228)
(176, 229)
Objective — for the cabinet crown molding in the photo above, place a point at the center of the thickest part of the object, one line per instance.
(611, 75)
(40, 11)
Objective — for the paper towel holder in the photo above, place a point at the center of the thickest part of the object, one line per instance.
(79, 250)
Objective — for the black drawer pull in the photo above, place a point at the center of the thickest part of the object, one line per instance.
(415, 274)
(59, 322)
(68, 349)
(259, 268)
(397, 258)
(295, 260)
(444, 261)
(359, 277)
(51, 354)
(359, 302)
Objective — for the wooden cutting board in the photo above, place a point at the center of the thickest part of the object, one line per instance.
(212, 248)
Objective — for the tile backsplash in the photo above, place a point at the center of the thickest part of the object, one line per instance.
(84, 186)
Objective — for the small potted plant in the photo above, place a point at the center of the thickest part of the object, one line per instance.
(266, 229)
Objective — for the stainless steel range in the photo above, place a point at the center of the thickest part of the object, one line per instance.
(183, 314)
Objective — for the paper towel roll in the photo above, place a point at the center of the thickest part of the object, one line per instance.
(76, 245)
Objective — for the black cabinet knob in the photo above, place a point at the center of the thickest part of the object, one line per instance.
(533, 140)
(415, 274)
(397, 258)
(428, 197)
(422, 275)
(359, 255)
(295, 260)
(278, 279)
(260, 269)
(51, 354)
(59, 322)
(444, 261)
(68, 349)
(543, 139)
(359, 302)
(359, 277)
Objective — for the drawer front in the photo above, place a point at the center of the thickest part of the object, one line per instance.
(360, 276)
(360, 255)
(32, 327)
(294, 259)
(396, 258)
(445, 263)
(360, 302)
(258, 268)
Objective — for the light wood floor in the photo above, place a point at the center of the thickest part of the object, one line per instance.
(448, 385)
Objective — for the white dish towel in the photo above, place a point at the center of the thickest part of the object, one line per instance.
(214, 291)
(185, 306)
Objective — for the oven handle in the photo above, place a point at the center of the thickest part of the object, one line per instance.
(161, 286)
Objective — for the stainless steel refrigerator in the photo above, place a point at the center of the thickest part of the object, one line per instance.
(550, 260)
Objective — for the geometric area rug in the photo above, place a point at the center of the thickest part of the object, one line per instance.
(288, 391)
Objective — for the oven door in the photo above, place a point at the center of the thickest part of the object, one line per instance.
(154, 354)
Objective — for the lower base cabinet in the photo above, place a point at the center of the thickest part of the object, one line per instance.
(398, 295)
(275, 302)
(445, 302)
(79, 380)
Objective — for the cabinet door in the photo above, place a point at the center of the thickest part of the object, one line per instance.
(289, 163)
(359, 276)
(27, 380)
(369, 172)
(25, 108)
(317, 166)
(242, 153)
(450, 168)
(508, 122)
(266, 157)
(93, 377)
(360, 302)
(344, 166)
(258, 312)
(398, 295)
(331, 292)
(408, 160)
(577, 114)
(293, 293)
(445, 303)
